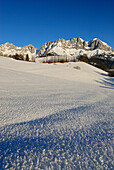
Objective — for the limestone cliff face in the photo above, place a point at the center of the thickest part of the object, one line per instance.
(72, 48)
(63, 47)
(98, 44)
(11, 50)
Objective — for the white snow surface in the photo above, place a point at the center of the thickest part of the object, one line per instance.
(55, 116)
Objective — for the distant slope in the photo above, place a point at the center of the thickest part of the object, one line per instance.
(67, 71)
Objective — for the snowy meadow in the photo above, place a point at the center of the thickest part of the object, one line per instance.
(55, 116)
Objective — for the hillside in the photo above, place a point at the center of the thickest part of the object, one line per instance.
(55, 116)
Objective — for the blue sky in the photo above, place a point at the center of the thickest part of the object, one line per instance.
(35, 22)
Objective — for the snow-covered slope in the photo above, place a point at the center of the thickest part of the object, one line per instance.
(75, 47)
(55, 116)
(10, 50)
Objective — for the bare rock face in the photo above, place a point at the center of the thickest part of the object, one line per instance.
(70, 49)
(85, 45)
(74, 47)
(27, 52)
(97, 44)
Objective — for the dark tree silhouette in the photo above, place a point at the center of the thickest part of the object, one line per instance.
(27, 57)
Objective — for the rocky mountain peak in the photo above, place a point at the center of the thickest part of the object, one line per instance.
(63, 47)
(8, 49)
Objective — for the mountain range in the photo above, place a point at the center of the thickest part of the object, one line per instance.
(73, 48)
(10, 50)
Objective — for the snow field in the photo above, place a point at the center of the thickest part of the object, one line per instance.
(55, 116)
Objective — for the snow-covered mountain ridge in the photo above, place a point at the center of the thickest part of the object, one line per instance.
(71, 49)
(75, 47)
(11, 50)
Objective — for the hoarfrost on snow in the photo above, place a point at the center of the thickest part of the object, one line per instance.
(55, 116)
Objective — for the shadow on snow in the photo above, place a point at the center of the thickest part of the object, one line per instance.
(43, 144)
(106, 81)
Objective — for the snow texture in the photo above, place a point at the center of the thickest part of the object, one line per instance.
(54, 116)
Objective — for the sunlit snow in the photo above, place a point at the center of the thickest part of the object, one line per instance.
(54, 116)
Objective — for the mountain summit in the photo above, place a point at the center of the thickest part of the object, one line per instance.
(73, 47)
(11, 50)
